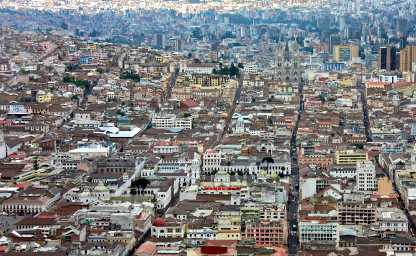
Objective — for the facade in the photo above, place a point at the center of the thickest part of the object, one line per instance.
(349, 157)
(408, 58)
(392, 220)
(30, 202)
(267, 234)
(169, 228)
(346, 53)
(318, 232)
(387, 58)
(287, 67)
(366, 176)
(172, 122)
(356, 213)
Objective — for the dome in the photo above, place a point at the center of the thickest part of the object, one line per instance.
(159, 222)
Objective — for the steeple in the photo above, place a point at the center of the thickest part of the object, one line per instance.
(286, 52)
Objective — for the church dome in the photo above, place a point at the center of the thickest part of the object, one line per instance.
(159, 222)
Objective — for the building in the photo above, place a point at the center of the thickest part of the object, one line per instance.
(4, 65)
(392, 219)
(366, 176)
(287, 68)
(408, 58)
(315, 230)
(349, 157)
(199, 68)
(170, 121)
(30, 201)
(356, 213)
(346, 53)
(167, 228)
(267, 234)
(387, 58)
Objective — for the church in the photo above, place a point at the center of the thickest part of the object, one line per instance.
(287, 67)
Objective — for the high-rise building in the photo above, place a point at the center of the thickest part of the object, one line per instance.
(387, 58)
(346, 53)
(366, 176)
(408, 58)
(334, 40)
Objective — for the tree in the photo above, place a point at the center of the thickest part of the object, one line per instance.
(130, 75)
(140, 183)
(36, 163)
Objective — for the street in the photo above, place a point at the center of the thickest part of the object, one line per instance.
(293, 198)
(230, 112)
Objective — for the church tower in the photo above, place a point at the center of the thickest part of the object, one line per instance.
(287, 68)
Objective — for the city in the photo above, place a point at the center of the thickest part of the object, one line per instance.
(208, 127)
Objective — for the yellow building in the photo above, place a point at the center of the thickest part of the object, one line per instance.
(202, 86)
(346, 53)
(43, 97)
(349, 157)
(209, 81)
(229, 224)
(347, 82)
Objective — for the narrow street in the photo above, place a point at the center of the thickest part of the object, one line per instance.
(172, 84)
(230, 112)
(293, 198)
(366, 120)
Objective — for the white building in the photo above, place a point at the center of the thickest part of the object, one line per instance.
(212, 160)
(343, 172)
(167, 228)
(99, 193)
(85, 120)
(198, 68)
(318, 231)
(90, 151)
(392, 219)
(172, 122)
(366, 176)
(200, 233)
(250, 68)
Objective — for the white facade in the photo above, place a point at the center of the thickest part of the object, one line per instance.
(250, 68)
(346, 172)
(203, 233)
(166, 149)
(212, 160)
(392, 219)
(308, 187)
(172, 122)
(170, 231)
(85, 120)
(366, 176)
(198, 68)
(318, 231)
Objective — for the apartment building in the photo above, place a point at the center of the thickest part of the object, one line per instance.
(353, 213)
(171, 121)
(349, 157)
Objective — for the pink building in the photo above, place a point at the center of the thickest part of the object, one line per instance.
(268, 234)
